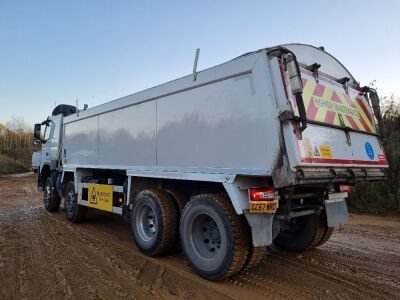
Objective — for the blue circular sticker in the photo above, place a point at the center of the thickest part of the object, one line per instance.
(369, 150)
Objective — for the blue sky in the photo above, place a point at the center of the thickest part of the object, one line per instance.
(96, 51)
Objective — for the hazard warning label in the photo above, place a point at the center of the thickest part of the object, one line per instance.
(100, 196)
(326, 151)
(307, 147)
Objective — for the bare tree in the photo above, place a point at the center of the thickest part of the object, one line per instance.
(18, 125)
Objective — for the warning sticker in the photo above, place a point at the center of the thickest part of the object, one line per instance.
(316, 152)
(100, 196)
(326, 151)
(307, 148)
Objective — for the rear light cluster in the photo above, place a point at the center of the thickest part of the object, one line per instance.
(262, 194)
(345, 188)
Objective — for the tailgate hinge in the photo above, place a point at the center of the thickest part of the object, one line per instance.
(285, 113)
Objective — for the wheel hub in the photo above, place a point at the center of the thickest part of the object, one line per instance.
(70, 203)
(206, 237)
(47, 194)
(146, 222)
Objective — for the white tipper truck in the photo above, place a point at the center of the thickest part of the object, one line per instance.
(258, 151)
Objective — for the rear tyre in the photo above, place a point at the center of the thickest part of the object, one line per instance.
(256, 255)
(214, 238)
(51, 198)
(304, 233)
(179, 200)
(154, 222)
(74, 212)
(323, 230)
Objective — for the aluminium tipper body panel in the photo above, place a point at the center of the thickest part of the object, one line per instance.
(226, 119)
(128, 136)
(81, 141)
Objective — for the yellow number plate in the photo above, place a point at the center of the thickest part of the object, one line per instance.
(263, 206)
(100, 196)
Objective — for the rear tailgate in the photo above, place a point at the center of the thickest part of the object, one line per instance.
(341, 131)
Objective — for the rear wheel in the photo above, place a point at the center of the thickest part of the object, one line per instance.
(74, 212)
(214, 238)
(179, 200)
(256, 255)
(323, 230)
(327, 235)
(51, 198)
(304, 233)
(154, 222)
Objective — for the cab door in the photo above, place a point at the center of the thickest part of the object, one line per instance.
(50, 148)
(55, 138)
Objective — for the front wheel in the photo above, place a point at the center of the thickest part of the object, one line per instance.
(214, 238)
(74, 212)
(51, 198)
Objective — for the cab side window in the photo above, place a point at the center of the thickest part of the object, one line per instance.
(52, 130)
(49, 131)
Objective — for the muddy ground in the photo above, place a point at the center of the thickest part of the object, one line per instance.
(42, 256)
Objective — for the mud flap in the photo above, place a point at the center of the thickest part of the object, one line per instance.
(261, 228)
(336, 209)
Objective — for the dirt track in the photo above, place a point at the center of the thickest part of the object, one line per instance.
(43, 256)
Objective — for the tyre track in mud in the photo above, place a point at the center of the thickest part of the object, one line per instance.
(44, 256)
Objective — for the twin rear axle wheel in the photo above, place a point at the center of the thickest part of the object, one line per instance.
(213, 237)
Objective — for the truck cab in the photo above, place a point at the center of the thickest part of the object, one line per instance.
(49, 135)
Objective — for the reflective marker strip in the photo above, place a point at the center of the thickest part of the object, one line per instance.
(325, 100)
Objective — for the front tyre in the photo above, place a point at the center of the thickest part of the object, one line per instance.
(214, 238)
(51, 198)
(74, 212)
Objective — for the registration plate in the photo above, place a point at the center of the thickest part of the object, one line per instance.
(263, 206)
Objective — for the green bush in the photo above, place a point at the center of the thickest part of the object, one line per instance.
(383, 197)
(10, 166)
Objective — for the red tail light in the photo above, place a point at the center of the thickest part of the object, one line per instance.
(262, 194)
(345, 188)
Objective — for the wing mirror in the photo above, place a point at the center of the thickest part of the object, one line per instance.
(36, 134)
